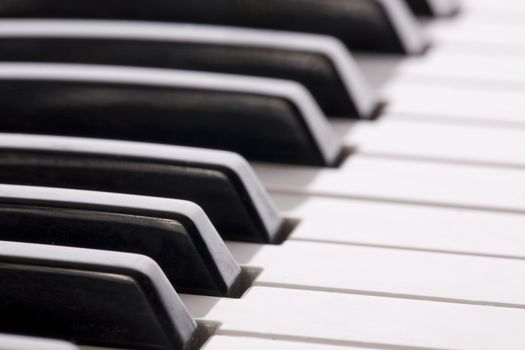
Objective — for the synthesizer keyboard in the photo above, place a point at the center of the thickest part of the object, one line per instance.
(374, 201)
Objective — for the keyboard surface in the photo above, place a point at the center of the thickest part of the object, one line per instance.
(415, 238)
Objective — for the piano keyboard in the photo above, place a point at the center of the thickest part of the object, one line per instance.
(220, 175)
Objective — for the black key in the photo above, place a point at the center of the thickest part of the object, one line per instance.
(369, 25)
(222, 183)
(434, 8)
(12, 342)
(176, 234)
(91, 297)
(262, 119)
(320, 63)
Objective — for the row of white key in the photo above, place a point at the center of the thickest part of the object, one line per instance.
(396, 273)
(409, 227)
(358, 320)
(374, 273)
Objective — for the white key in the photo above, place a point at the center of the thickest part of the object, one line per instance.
(422, 101)
(506, 5)
(489, 37)
(386, 272)
(440, 66)
(442, 141)
(355, 320)
(392, 225)
(224, 342)
(13, 342)
(399, 180)
(494, 14)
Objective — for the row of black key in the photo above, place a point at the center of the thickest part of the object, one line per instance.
(359, 24)
(74, 262)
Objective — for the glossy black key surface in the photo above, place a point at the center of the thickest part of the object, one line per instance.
(261, 119)
(222, 183)
(360, 24)
(319, 63)
(91, 297)
(176, 234)
(15, 342)
(420, 7)
(424, 8)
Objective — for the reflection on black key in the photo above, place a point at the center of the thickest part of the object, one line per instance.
(262, 119)
(14, 342)
(176, 234)
(320, 63)
(222, 183)
(370, 25)
(90, 297)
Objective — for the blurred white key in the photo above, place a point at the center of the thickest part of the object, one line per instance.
(355, 320)
(14, 342)
(495, 37)
(399, 180)
(386, 272)
(493, 14)
(446, 67)
(507, 5)
(224, 342)
(442, 141)
(366, 223)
